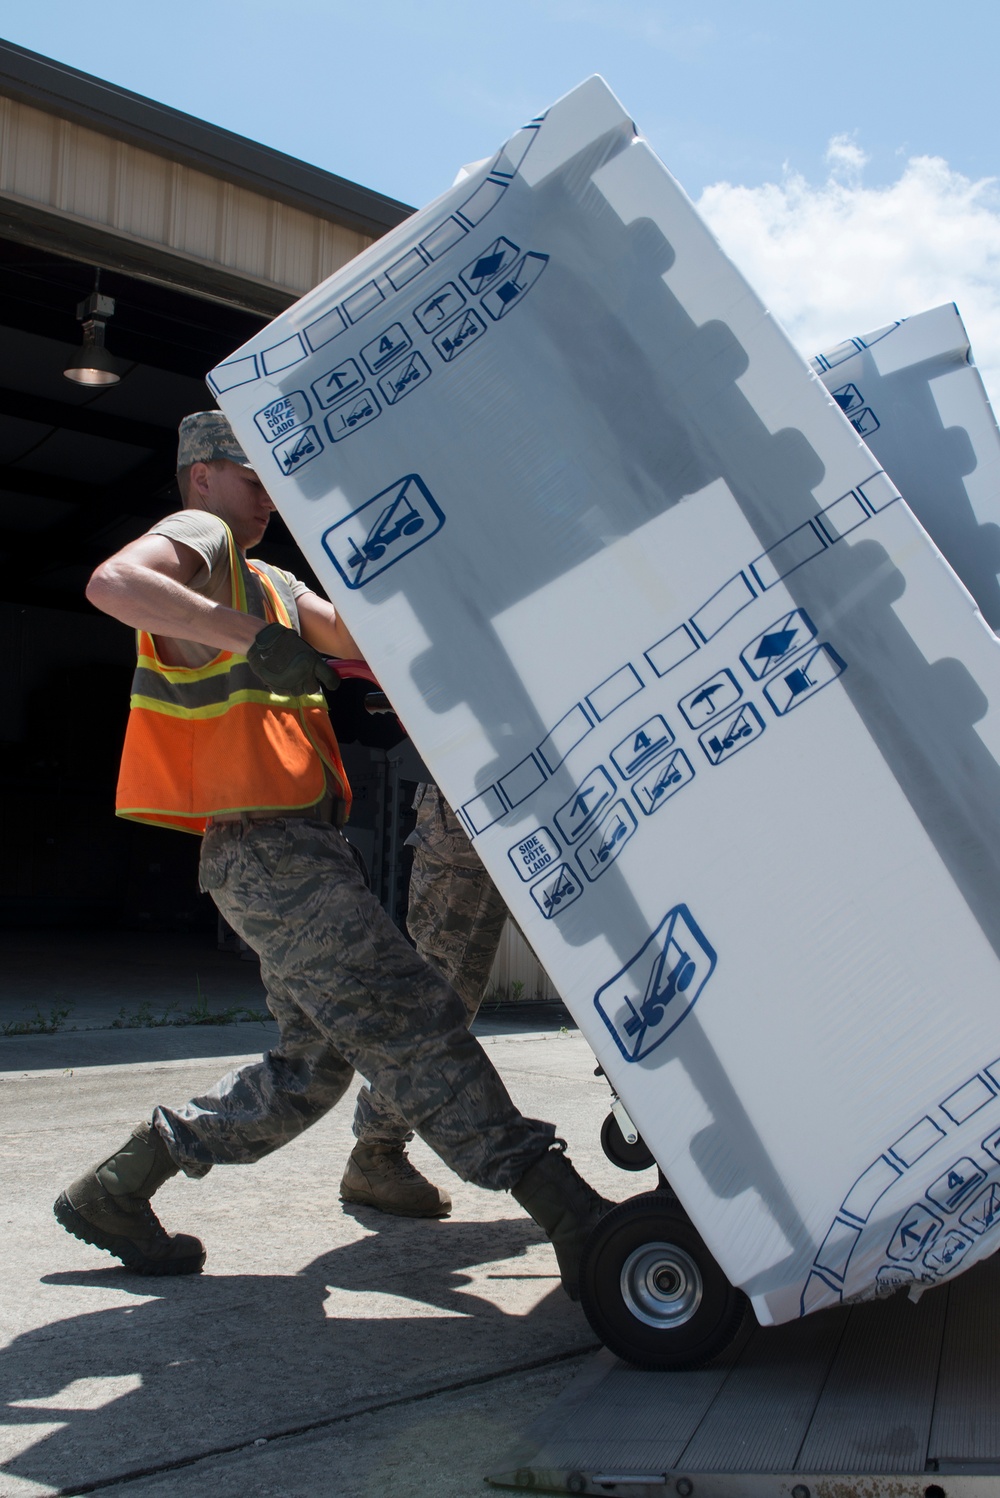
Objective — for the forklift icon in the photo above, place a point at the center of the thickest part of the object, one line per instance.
(397, 519)
(556, 891)
(297, 450)
(357, 411)
(648, 999)
(383, 530)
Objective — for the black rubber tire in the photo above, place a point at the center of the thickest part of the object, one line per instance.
(662, 1184)
(656, 1218)
(626, 1156)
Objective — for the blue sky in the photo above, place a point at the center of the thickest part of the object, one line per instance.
(843, 154)
(396, 93)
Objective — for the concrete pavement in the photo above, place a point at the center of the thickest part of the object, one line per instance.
(321, 1351)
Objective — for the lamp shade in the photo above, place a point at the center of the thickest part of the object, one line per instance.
(93, 365)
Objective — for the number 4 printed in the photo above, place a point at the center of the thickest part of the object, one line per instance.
(649, 741)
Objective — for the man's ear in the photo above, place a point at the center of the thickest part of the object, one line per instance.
(198, 478)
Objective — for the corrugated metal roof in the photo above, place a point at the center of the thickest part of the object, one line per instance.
(30, 78)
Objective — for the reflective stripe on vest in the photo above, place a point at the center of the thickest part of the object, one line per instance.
(212, 740)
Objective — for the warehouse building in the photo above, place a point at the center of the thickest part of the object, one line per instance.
(170, 241)
(138, 247)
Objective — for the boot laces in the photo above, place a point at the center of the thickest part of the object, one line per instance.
(400, 1167)
(149, 1220)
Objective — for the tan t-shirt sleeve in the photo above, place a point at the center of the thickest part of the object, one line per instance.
(295, 587)
(206, 535)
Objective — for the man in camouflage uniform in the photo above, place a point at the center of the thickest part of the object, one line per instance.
(456, 917)
(347, 990)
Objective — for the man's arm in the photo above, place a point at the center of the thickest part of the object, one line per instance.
(324, 629)
(145, 585)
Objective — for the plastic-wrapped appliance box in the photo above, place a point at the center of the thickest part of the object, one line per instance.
(912, 391)
(719, 719)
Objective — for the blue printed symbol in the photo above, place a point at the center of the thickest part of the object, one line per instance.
(810, 672)
(398, 520)
(357, 411)
(947, 1252)
(951, 1189)
(984, 1211)
(649, 741)
(438, 308)
(646, 1001)
(388, 346)
(779, 641)
(538, 851)
(893, 1276)
(848, 398)
(732, 734)
(866, 422)
(283, 415)
(404, 378)
(339, 381)
(298, 450)
(599, 851)
(915, 1232)
(991, 1144)
(589, 798)
(713, 696)
(487, 266)
(655, 789)
(852, 403)
(459, 334)
(556, 891)
(512, 288)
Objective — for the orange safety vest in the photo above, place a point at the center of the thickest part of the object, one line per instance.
(209, 740)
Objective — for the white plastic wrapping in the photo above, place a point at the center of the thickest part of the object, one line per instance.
(721, 722)
(912, 391)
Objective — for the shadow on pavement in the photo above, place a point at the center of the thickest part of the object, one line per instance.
(225, 1360)
(146, 1044)
(82, 1048)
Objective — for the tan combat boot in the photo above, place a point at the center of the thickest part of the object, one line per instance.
(380, 1175)
(109, 1207)
(564, 1206)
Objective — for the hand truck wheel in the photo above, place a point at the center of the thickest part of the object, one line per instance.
(652, 1291)
(626, 1156)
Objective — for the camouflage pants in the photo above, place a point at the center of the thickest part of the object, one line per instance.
(348, 993)
(456, 917)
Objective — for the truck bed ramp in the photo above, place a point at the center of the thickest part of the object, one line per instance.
(884, 1400)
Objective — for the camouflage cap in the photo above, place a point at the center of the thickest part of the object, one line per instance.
(205, 437)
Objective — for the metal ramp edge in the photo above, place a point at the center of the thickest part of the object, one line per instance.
(886, 1400)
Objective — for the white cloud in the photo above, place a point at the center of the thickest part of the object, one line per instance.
(846, 159)
(840, 259)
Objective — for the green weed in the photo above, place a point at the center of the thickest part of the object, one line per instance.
(143, 1018)
(39, 1024)
(199, 1013)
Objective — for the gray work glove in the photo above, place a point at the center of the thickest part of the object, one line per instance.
(288, 664)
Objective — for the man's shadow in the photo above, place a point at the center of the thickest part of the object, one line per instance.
(224, 1360)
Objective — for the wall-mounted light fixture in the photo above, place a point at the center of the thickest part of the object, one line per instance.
(93, 365)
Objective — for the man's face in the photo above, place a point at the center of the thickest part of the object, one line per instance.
(237, 496)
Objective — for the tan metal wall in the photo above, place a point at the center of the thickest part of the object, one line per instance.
(91, 179)
(517, 973)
